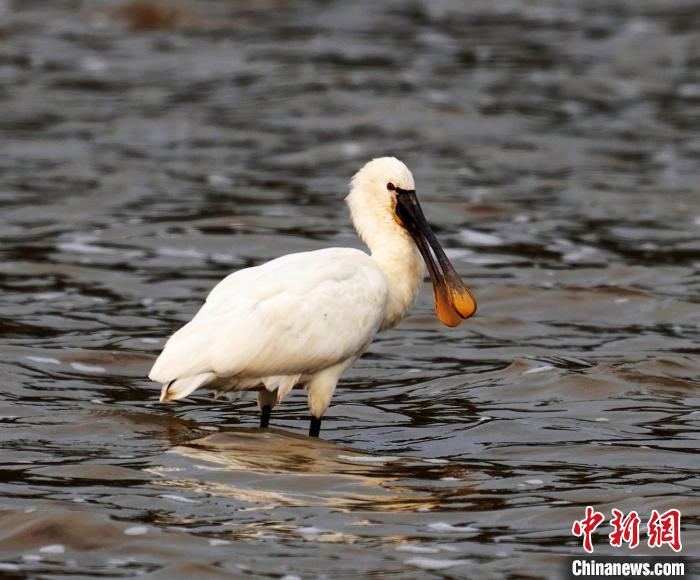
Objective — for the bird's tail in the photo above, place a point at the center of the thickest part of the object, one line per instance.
(180, 388)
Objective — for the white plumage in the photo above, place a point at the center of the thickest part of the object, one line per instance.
(304, 318)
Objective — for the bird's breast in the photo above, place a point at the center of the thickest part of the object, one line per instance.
(404, 276)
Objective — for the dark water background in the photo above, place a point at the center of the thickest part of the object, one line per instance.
(145, 154)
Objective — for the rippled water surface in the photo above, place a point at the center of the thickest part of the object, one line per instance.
(144, 155)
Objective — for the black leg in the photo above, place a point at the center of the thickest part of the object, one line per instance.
(315, 427)
(265, 416)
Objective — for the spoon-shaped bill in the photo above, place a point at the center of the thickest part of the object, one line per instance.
(453, 301)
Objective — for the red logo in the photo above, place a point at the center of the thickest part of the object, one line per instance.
(587, 526)
(626, 529)
(665, 529)
(662, 529)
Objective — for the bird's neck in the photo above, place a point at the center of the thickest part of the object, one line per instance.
(392, 249)
(402, 267)
(396, 254)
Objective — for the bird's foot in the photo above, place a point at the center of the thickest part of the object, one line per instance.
(315, 426)
(265, 416)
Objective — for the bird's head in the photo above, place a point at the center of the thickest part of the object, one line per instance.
(384, 191)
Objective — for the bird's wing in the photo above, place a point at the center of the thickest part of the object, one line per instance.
(296, 314)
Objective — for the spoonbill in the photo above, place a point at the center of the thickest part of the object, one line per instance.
(302, 319)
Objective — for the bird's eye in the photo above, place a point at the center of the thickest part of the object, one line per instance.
(390, 186)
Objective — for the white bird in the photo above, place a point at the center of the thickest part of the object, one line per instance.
(302, 319)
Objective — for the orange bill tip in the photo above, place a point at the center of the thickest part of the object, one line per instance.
(463, 302)
(453, 305)
(444, 309)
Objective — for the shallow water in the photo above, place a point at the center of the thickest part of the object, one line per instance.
(556, 151)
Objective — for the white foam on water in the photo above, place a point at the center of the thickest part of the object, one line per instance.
(580, 253)
(83, 368)
(224, 258)
(435, 564)
(44, 359)
(80, 246)
(311, 531)
(53, 549)
(480, 238)
(178, 498)
(540, 369)
(367, 458)
(136, 531)
(93, 64)
(445, 527)
(117, 561)
(181, 253)
(534, 481)
(690, 90)
(48, 295)
(217, 542)
(417, 549)
(8, 567)
(218, 180)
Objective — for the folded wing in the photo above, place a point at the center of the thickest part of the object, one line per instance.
(297, 314)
